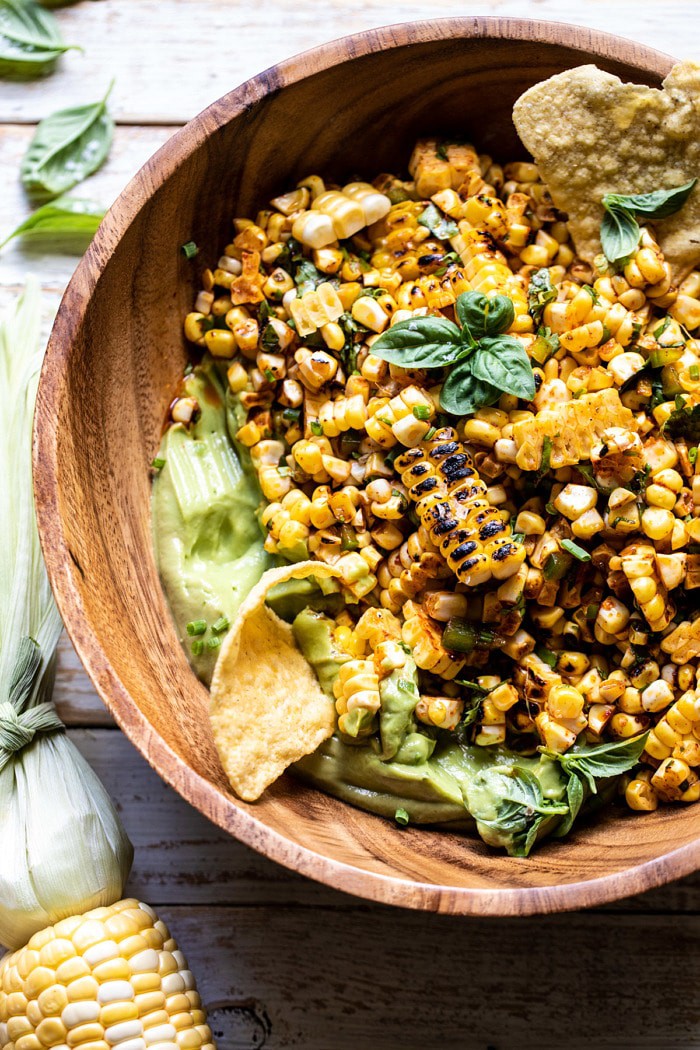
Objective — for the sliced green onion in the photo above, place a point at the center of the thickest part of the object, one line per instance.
(189, 249)
(196, 627)
(222, 624)
(693, 372)
(693, 454)
(578, 552)
(316, 428)
(421, 412)
(460, 636)
(348, 538)
(270, 375)
(547, 656)
(157, 463)
(557, 565)
(430, 434)
(401, 817)
(213, 643)
(592, 611)
(551, 509)
(197, 647)
(665, 355)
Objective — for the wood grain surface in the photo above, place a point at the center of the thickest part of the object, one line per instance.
(282, 961)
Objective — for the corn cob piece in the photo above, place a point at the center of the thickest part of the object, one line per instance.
(638, 562)
(404, 418)
(112, 977)
(573, 427)
(356, 690)
(406, 572)
(316, 308)
(486, 269)
(424, 637)
(683, 643)
(474, 538)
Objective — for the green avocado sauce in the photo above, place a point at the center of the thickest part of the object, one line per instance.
(209, 549)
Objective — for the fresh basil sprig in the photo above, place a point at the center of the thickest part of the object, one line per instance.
(602, 760)
(67, 224)
(67, 146)
(483, 363)
(30, 42)
(619, 230)
(522, 807)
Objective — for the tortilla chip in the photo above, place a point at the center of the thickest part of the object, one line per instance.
(590, 134)
(267, 709)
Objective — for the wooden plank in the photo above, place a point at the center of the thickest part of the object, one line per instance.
(170, 62)
(77, 702)
(369, 978)
(181, 857)
(131, 149)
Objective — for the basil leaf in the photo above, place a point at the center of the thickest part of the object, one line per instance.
(67, 147)
(436, 222)
(603, 760)
(307, 277)
(502, 361)
(658, 204)
(684, 423)
(539, 293)
(420, 342)
(521, 809)
(462, 393)
(574, 798)
(482, 315)
(64, 225)
(619, 234)
(30, 42)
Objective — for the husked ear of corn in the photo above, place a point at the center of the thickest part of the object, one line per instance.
(111, 977)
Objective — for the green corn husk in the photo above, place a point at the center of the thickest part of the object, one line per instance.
(63, 849)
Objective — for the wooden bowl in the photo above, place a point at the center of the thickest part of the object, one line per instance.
(114, 359)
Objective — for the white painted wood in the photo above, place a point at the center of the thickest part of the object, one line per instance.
(172, 59)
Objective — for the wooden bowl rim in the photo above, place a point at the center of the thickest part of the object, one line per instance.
(199, 792)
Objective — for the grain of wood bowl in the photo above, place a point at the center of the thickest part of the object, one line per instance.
(114, 359)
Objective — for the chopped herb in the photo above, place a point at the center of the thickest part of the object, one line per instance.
(407, 685)
(421, 412)
(640, 480)
(157, 463)
(592, 292)
(214, 642)
(658, 332)
(291, 414)
(316, 428)
(441, 151)
(694, 373)
(447, 260)
(222, 624)
(189, 249)
(578, 552)
(195, 627)
(551, 509)
(684, 423)
(348, 538)
(518, 537)
(283, 470)
(592, 611)
(270, 375)
(385, 420)
(197, 647)
(557, 565)
(539, 293)
(430, 434)
(547, 655)
(401, 817)
(546, 457)
(693, 454)
(435, 221)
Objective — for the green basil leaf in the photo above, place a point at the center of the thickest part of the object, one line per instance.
(67, 224)
(438, 225)
(482, 315)
(684, 423)
(30, 42)
(462, 393)
(574, 798)
(539, 293)
(502, 361)
(521, 809)
(420, 342)
(602, 760)
(658, 204)
(307, 277)
(67, 147)
(619, 234)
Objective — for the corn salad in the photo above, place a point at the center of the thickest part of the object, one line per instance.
(540, 558)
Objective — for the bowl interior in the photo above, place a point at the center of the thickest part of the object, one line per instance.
(116, 354)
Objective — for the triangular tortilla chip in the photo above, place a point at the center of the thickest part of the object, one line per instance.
(267, 709)
(590, 134)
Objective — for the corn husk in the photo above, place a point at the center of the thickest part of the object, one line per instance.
(63, 849)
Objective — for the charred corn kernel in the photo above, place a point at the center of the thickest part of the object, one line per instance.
(237, 377)
(575, 500)
(450, 501)
(624, 726)
(333, 336)
(424, 637)
(370, 313)
(553, 734)
(445, 605)
(530, 524)
(598, 717)
(504, 696)
(564, 702)
(183, 410)
(92, 1013)
(314, 229)
(316, 308)
(657, 523)
(194, 327)
(316, 367)
(672, 778)
(613, 616)
(374, 205)
(641, 795)
(441, 711)
(657, 696)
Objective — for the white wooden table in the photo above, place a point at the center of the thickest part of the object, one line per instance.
(281, 961)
